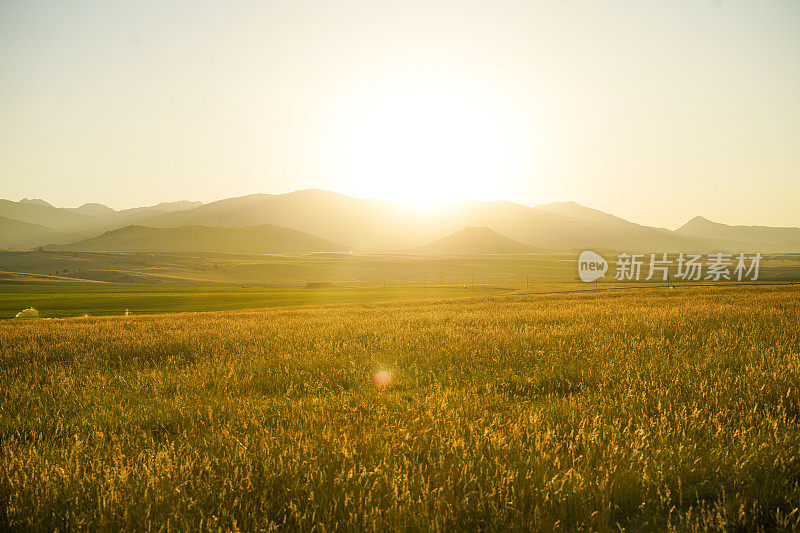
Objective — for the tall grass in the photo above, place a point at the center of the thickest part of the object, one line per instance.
(655, 410)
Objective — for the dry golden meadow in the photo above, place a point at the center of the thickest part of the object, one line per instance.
(644, 410)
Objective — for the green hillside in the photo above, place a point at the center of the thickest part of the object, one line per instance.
(255, 239)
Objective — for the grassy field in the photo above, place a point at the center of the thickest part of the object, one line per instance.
(645, 410)
(64, 284)
(341, 268)
(359, 268)
(71, 299)
(57, 300)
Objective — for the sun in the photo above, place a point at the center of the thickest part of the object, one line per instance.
(428, 142)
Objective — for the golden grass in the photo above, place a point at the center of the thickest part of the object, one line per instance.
(649, 410)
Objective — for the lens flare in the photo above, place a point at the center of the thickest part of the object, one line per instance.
(382, 379)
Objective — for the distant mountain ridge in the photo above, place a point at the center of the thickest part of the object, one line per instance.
(92, 209)
(44, 214)
(64, 224)
(366, 224)
(35, 201)
(702, 227)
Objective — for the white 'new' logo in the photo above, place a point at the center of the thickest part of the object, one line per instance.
(591, 266)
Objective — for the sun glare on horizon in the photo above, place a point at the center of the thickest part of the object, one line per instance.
(426, 143)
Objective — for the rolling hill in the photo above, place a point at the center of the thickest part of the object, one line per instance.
(477, 240)
(255, 239)
(35, 201)
(40, 213)
(787, 239)
(92, 209)
(19, 235)
(88, 220)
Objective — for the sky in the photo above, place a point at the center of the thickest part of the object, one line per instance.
(655, 111)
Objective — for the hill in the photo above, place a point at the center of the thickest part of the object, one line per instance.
(93, 209)
(43, 214)
(256, 239)
(786, 239)
(352, 221)
(19, 235)
(35, 201)
(575, 210)
(88, 220)
(477, 240)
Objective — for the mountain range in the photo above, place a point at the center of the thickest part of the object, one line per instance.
(341, 222)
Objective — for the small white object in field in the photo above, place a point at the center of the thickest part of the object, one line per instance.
(28, 313)
(382, 379)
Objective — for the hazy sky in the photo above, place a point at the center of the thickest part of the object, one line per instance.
(656, 111)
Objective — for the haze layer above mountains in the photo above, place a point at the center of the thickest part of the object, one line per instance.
(316, 220)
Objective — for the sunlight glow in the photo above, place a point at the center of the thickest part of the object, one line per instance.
(429, 142)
